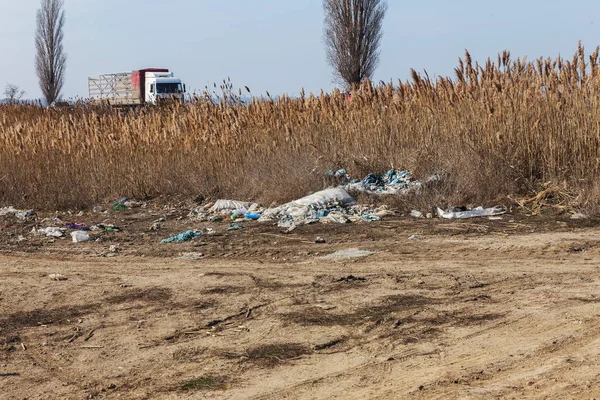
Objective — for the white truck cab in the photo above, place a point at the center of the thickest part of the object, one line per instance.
(163, 85)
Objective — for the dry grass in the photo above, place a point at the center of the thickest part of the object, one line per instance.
(503, 128)
(271, 355)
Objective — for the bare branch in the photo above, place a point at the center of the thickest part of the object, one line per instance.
(50, 60)
(352, 34)
(13, 93)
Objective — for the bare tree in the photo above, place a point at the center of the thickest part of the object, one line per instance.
(50, 60)
(352, 36)
(13, 93)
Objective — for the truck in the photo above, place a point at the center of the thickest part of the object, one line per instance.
(139, 87)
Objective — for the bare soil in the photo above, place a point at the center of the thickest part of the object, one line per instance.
(476, 309)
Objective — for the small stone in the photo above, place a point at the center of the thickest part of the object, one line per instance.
(414, 237)
(191, 256)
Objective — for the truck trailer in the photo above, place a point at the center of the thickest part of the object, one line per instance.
(144, 86)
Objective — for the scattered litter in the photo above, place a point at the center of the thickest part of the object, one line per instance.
(348, 254)
(237, 214)
(370, 218)
(155, 226)
(476, 212)
(21, 238)
(183, 236)
(57, 277)
(229, 205)
(252, 215)
(20, 214)
(80, 236)
(495, 218)
(120, 205)
(79, 227)
(234, 227)
(319, 239)
(289, 229)
(336, 216)
(579, 215)
(191, 256)
(416, 214)
(429, 216)
(113, 248)
(105, 228)
(226, 209)
(414, 237)
(340, 173)
(51, 231)
(133, 204)
(286, 222)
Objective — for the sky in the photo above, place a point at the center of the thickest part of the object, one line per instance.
(277, 45)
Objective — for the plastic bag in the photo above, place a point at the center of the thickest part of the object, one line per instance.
(476, 212)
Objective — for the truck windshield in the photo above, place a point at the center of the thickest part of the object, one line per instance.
(169, 88)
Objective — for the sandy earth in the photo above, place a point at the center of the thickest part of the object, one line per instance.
(475, 309)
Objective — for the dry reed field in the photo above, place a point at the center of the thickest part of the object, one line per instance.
(504, 128)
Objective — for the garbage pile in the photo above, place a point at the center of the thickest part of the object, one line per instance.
(392, 182)
(222, 210)
(329, 205)
(20, 214)
(326, 206)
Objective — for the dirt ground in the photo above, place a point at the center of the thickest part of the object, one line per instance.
(476, 309)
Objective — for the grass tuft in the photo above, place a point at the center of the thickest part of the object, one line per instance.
(206, 383)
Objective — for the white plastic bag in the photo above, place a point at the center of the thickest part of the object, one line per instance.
(476, 212)
(51, 231)
(80, 236)
(221, 205)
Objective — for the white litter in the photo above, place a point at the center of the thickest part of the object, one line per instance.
(579, 215)
(80, 236)
(416, 214)
(52, 231)
(57, 277)
(476, 212)
(21, 214)
(226, 205)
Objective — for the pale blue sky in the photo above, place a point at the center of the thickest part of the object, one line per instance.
(277, 45)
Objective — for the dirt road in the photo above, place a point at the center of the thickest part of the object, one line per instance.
(472, 310)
